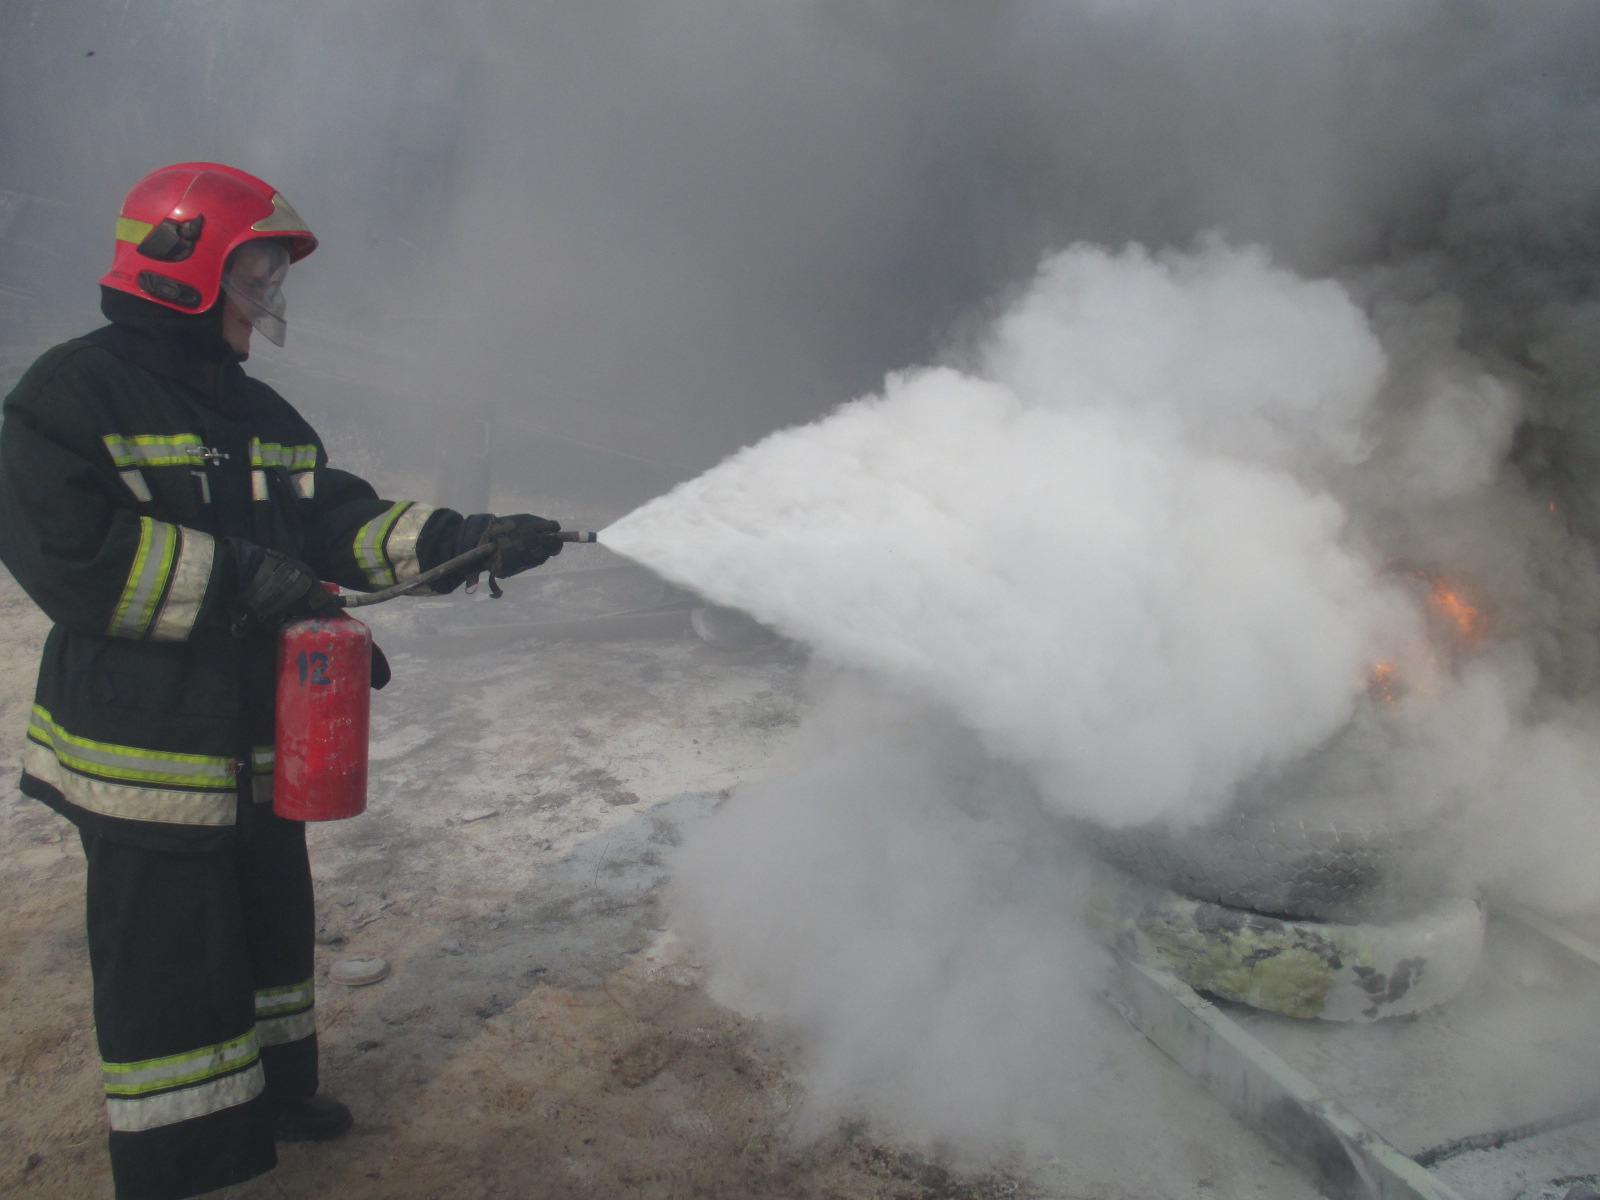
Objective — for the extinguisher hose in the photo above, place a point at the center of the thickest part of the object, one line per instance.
(471, 558)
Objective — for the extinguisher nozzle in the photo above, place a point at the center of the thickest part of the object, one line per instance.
(578, 535)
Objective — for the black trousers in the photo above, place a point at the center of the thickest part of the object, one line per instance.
(202, 969)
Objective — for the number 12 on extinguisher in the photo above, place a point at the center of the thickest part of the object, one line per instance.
(313, 666)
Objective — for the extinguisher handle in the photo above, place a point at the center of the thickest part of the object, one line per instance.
(476, 555)
(471, 558)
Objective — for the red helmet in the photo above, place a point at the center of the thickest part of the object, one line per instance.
(179, 224)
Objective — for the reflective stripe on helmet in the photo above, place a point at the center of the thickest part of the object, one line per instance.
(282, 218)
(130, 230)
(163, 1091)
(210, 209)
(386, 547)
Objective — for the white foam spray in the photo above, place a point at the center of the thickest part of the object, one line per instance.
(1106, 547)
(1141, 550)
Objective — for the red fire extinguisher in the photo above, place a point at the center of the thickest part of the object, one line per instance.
(325, 700)
(324, 709)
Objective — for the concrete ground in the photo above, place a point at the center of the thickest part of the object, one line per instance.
(541, 1033)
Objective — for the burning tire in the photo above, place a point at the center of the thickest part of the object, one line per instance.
(1336, 972)
(1296, 869)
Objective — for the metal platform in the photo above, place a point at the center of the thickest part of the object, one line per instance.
(1482, 1098)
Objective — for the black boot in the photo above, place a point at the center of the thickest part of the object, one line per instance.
(316, 1119)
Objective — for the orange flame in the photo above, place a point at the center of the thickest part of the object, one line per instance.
(1383, 683)
(1450, 602)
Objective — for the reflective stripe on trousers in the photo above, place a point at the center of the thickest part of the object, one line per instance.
(163, 1091)
(286, 1014)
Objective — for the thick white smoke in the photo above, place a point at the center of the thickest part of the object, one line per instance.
(1138, 555)
(1106, 547)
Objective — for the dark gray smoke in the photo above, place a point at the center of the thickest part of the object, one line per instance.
(660, 229)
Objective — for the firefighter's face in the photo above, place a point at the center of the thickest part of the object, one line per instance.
(252, 290)
(237, 325)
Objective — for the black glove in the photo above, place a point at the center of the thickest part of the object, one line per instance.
(520, 542)
(274, 588)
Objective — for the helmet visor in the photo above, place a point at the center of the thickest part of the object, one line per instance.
(254, 278)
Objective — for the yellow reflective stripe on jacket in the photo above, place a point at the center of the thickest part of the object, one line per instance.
(131, 801)
(130, 764)
(386, 546)
(299, 461)
(147, 579)
(155, 450)
(166, 584)
(291, 458)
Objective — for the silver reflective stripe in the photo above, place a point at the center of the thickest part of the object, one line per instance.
(178, 1070)
(132, 1114)
(305, 482)
(147, 577)
(292, 458)
(258, 485)
(272, 1002)
(132, 763)
(280, 1031)
(284, 1014)
(136, 803)
(401, 547)
(205, 486)
(155, 450)
(370, 545)
(262, 759)
(191, 576)
(134, 478)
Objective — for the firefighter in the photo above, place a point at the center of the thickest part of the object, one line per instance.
(168, 513)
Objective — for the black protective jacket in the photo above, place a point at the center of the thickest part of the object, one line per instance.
(125, 457)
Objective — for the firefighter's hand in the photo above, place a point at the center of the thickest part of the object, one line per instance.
(520, 542)
(273, 588)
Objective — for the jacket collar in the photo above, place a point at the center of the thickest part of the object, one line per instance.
(188, 349)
